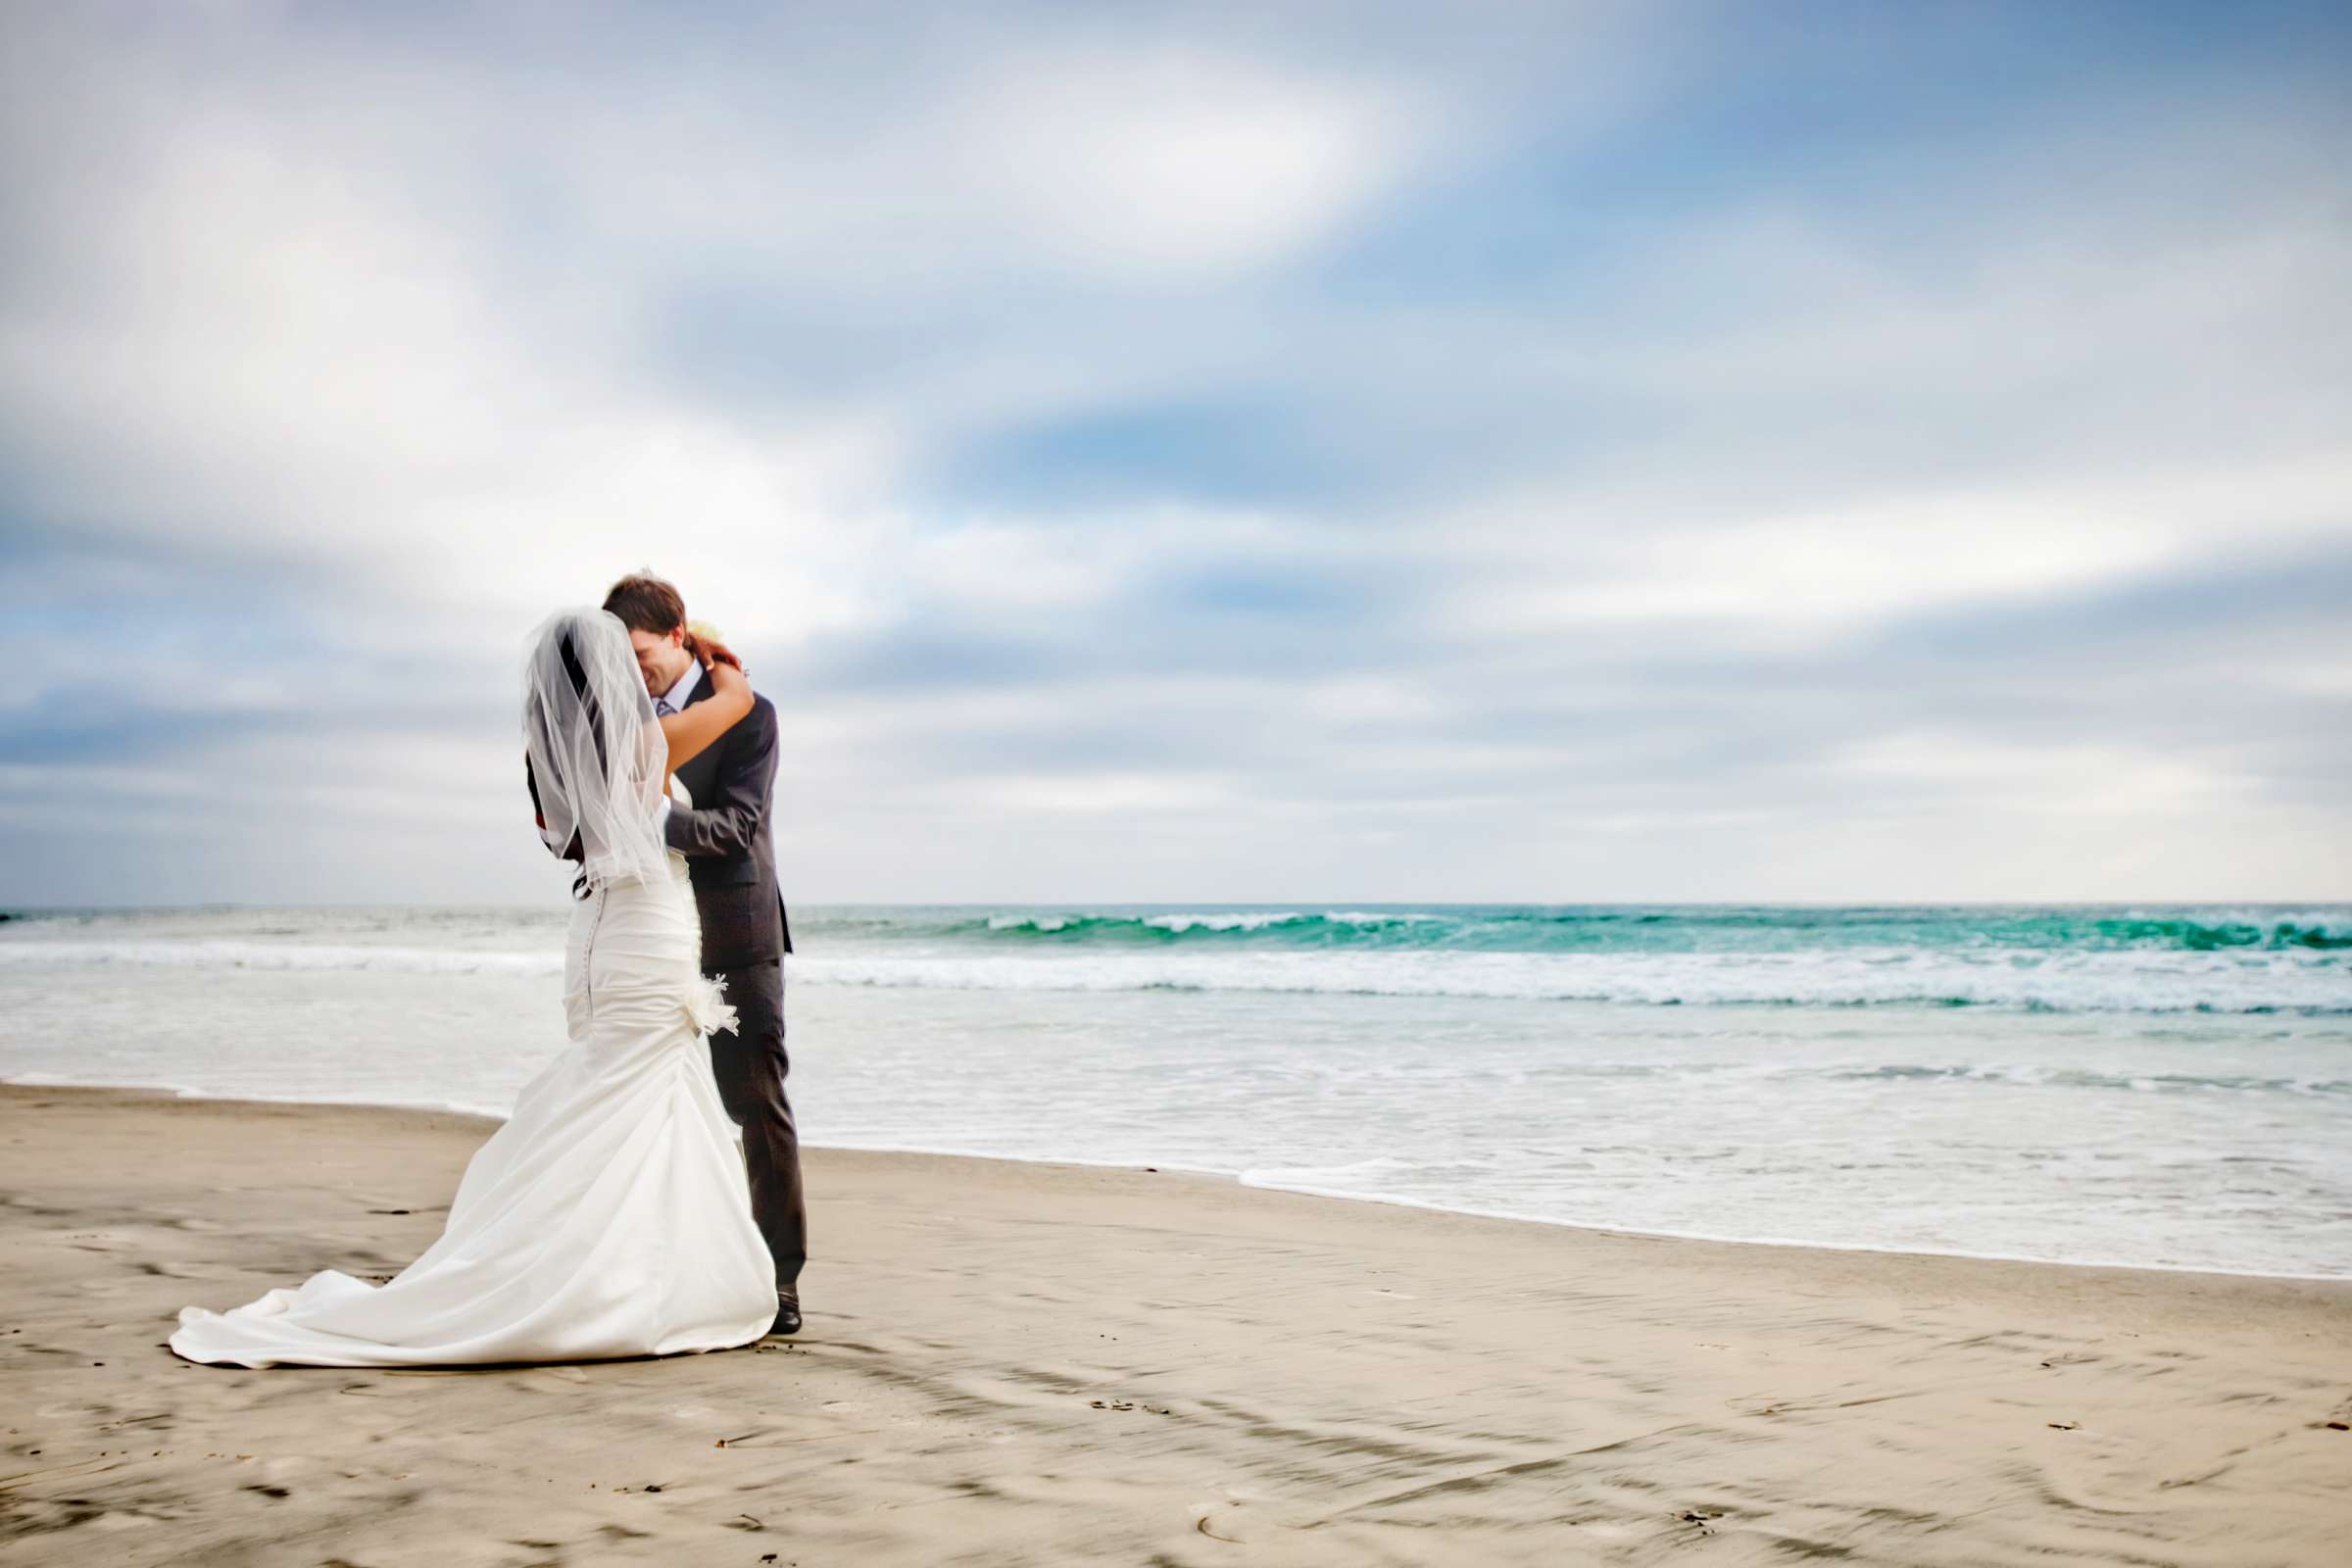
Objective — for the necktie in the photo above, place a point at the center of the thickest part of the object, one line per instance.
(663, 710)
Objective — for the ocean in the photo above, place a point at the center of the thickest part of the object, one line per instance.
(2157, 1087)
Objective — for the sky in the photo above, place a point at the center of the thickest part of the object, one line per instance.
(1195, 453)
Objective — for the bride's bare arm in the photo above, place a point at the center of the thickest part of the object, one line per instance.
(693, 731)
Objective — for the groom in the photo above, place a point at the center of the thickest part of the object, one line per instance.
(724, 837)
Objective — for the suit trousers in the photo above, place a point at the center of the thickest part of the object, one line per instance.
(750, 1065)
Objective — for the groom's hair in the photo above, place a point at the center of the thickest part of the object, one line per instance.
(645, 603)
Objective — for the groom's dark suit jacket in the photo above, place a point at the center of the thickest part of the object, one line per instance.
(725, 839)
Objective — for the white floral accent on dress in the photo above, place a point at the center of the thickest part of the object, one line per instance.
(707, 1005)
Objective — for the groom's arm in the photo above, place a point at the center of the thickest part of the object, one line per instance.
(726, 823)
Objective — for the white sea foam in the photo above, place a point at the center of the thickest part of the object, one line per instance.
(260, 954)
(1250, 920)
(2287, 981)
(1295, 1176)
(2078, 982)
(1181, 922)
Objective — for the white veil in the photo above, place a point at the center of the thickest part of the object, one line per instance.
(598, 756)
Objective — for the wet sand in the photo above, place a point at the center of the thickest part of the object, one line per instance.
(1016, 1364)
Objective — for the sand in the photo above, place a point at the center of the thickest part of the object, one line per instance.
(1023, 1364)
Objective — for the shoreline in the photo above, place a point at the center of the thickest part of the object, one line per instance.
(1010, 1362)
(1238, 1179)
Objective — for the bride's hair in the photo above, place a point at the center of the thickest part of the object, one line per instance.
(594, 755)
(539, 732)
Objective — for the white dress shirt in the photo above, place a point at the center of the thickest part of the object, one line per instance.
(673, 700)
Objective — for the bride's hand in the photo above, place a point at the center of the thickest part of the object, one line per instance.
(728, 677)
(714, 654)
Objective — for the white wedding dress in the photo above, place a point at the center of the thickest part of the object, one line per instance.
(608, 1216)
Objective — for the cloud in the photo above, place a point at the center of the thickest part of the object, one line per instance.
(1169, 166)
(1610, 452)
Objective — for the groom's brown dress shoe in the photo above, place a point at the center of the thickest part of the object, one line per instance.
(788, 1315)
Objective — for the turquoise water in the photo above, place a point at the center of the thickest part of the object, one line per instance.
(2087, 958)
(1540, 928)
(2165, 1087)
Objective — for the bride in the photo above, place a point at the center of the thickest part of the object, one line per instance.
(609, 1215)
